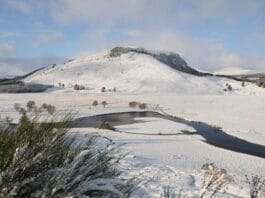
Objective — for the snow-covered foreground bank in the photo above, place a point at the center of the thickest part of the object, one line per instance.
(173, 161)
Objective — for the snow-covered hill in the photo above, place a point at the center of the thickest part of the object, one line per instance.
(133, 70)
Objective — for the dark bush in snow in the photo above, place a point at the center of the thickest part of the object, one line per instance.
(228, 87)
(79, 87)
(104, 103)
(95, 103)
(133, 104)
(106, 125)
(103, 89)
(142, 105)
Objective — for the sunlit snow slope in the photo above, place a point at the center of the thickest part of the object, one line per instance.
(130, 72)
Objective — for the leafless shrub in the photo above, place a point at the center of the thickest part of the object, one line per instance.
(214, 179)
(260, 83)
(256, 186)
(95, 103)
(17, 107)
(133, 104)
(31, 105)
(228, 87)
(104, 103)
(103, 89)
(8, 119)
(106, 125)
(22, 111)
(76, 87)
(44, 106)
(142, 105)
(79, 87)
(51, 109)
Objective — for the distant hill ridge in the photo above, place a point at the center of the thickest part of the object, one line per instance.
(171, 59)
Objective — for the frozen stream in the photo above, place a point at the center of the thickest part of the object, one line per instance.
(212, 135)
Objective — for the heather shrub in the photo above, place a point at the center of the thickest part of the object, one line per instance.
(41, 159)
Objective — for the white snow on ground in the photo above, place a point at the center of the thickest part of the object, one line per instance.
(169, 160)
(159, 160)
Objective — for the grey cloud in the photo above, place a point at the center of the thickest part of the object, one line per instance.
(206, 55)
(152, 11)
(110, 12)
(153, 24)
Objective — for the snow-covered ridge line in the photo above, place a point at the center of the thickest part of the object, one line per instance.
(171, 59)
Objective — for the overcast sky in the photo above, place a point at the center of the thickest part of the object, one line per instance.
(209, 34)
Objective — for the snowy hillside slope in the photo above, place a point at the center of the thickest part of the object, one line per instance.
(131, 72)
(171, 59)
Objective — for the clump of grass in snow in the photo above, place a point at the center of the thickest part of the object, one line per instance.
(42, 160)
(168, 192)
(256, 186)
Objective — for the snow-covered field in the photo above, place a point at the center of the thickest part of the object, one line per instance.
(169, 160)
(158, 160)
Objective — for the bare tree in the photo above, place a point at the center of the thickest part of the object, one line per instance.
(133, 104)
(142, 106)
(95, 103)
(104, 103)
(31, 105)
(103, 89)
